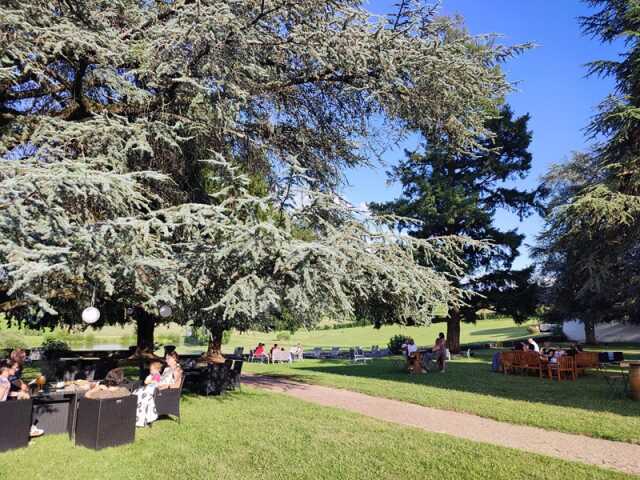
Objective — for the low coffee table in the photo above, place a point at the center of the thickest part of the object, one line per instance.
(54, 411)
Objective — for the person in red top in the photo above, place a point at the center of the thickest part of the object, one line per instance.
(259, 351)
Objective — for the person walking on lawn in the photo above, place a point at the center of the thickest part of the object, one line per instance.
(440, 350)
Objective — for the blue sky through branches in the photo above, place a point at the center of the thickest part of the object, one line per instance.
(551, 87)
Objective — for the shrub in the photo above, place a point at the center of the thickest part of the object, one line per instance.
(11, 341)
(395, 343)
(283, 336)
(226, 337)
(52, 348)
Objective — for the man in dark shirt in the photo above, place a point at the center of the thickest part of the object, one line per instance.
(17, 385)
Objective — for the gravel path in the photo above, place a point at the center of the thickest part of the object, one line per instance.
(620, 456)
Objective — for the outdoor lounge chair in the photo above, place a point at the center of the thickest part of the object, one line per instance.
(15, 423)
(106, 422)
(359, 356)
(168, 400)
(279, 356)
(235, 374)
(238, 352)
(316, 353)
(610, 357)
(334, 353)
(214, 380)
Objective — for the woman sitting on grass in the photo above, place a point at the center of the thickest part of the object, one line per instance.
(171, 377)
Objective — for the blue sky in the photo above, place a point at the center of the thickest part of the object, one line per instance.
(552, 88)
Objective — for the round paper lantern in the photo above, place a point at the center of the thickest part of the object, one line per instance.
(90, 315)
(165, 311)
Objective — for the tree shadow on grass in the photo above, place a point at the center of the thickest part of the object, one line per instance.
(492, 332)
(590, 392)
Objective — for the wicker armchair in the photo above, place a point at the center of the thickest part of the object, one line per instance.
(106, 422)
(168, 400)
(234, 374)
(15, 424)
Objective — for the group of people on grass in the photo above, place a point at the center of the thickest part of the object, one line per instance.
(260, 353)
(547, 353)
(13, 387)
(438, 351)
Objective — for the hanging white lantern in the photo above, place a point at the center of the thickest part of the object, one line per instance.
(90, 315)
(165, 311)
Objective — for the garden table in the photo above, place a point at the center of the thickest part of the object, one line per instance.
(80, 359)
(618, 383)
(54, 411)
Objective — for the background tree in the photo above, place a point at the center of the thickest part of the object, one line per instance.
(589, 248)
(451, 192)
(130, 131)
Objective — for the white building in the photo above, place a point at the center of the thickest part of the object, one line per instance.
(606, 332)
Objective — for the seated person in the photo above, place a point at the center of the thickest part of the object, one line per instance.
(411, 348)
(574, 349)
(19, 389)
(259, 351)
(17, 359)
(171, 378)
(172, 374)
(7, 370)
(520, 346)
(154, 374)
(532, 345)
(5, 384)
(555, 357)
(297, 352)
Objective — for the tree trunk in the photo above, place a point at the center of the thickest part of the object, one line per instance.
(214, 352)
(145, 326)
(590, 332)
(453, 331)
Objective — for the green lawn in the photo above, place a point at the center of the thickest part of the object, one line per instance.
(481, 332)
(259, 435)
(584, 407)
